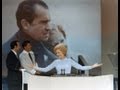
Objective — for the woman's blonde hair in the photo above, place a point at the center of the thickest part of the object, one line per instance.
(62, 47)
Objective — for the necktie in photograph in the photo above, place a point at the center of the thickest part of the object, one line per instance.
(30, 57)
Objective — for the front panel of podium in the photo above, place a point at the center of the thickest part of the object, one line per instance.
(34, 82)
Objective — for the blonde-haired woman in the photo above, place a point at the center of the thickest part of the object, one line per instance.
(64, 64)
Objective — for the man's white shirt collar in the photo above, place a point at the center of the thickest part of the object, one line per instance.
(24, 51)
(14, 52)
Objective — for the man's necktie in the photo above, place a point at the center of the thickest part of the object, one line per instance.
(30, 57)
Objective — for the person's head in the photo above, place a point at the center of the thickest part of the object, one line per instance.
(27, 46)
(33, 19)
(15, 45)
(57, 35)
(60, 50)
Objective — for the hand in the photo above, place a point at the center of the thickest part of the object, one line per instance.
(96, 65)
(31, 65)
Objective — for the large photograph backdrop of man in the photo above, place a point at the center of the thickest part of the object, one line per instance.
(45, 23)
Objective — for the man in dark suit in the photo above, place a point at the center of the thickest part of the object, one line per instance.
(13, 65)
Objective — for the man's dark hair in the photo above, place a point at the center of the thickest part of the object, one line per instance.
(25, 43)
(13, 44)
(26, 10)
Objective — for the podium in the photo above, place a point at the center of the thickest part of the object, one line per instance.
(35, 82)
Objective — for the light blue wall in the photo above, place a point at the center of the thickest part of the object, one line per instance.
(81, 20)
